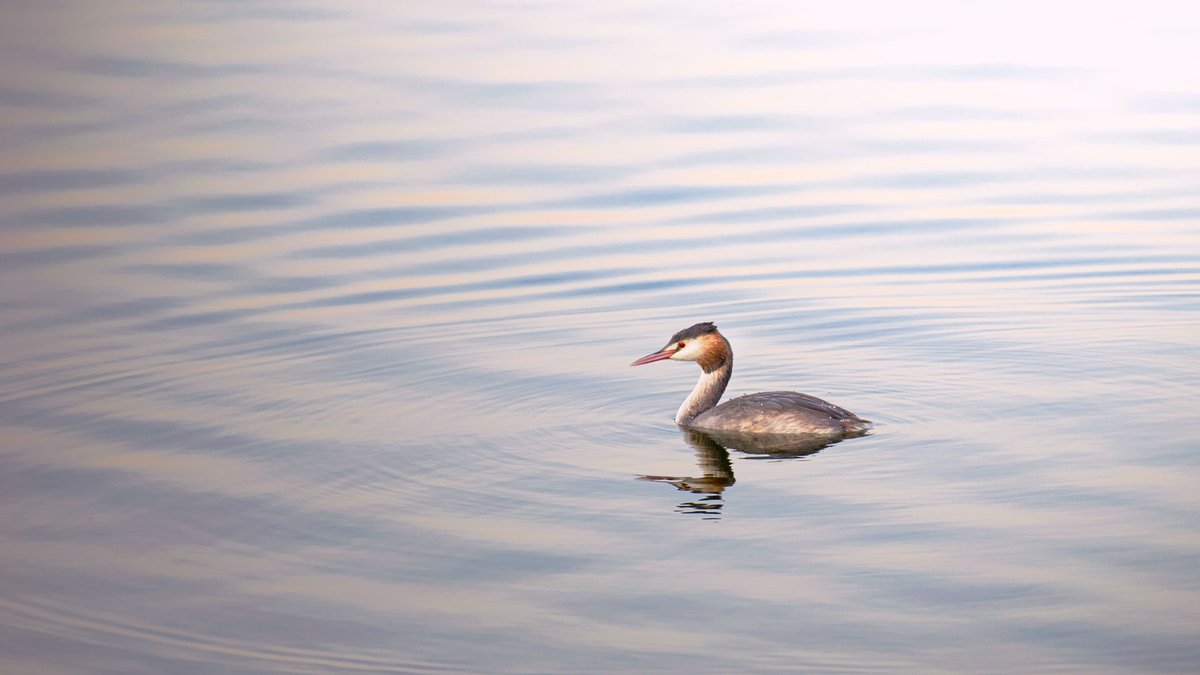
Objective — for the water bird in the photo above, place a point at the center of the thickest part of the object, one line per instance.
(781, 413)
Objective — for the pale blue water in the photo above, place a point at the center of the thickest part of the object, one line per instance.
(317, 322)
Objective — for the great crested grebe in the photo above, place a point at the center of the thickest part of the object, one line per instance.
(769, 412)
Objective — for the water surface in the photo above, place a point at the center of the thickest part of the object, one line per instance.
(317, 321)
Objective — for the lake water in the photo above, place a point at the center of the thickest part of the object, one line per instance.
(317, 320)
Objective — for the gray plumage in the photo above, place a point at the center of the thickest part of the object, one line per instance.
(779, 412)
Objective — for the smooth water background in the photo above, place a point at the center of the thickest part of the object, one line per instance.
(317, 317)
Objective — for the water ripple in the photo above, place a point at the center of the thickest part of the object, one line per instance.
(328, 334)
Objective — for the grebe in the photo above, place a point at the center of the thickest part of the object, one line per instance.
(769, 412)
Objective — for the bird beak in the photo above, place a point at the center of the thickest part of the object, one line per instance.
(651, 358)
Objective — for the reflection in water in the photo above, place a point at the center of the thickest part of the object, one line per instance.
(778, 446)
(716, 474)
(315, 323)
(716, 468)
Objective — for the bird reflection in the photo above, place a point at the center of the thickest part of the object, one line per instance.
(716, 468)
(716, 475)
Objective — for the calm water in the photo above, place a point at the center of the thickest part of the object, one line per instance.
(317, 322)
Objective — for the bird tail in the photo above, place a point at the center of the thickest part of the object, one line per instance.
(855, 425)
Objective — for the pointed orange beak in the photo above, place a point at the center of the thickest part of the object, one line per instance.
(651, 358)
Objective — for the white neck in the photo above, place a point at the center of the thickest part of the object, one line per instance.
(706, 393)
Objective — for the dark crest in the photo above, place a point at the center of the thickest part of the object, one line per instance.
(693, 331)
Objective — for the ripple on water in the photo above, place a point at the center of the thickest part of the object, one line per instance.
(346, 355)
(169, 644)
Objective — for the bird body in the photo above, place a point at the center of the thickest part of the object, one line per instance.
(772, 412)
(779, 412)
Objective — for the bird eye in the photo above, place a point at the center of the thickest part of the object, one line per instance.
(681, 345)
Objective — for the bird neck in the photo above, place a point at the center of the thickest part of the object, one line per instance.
(708, 390)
